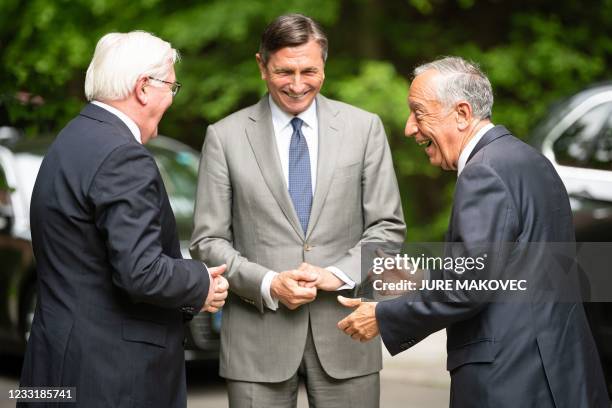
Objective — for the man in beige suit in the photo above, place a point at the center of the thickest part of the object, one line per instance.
(288, 190)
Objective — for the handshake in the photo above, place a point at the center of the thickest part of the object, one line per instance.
(296, 287)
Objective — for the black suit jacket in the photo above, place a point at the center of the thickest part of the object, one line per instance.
(534, 352)
(111, 281)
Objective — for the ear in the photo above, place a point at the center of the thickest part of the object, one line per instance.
(464, 114)
(263, 70)
(140, 90)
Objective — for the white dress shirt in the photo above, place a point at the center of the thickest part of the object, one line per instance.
(467, 150)
(124, 118)
(281, 122)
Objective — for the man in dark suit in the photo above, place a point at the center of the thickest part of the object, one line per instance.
(113, 289)
(534, 352)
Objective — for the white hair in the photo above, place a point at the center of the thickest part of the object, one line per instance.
(461, 80)
(120, 59)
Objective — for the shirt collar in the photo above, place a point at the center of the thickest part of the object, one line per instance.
(467, 150)
(124, 118)
(281, 119)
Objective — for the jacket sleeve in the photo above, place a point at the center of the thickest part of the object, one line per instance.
(483, 217)
(212, 238)
(126, 193)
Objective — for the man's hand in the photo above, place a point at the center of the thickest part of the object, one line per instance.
(361, 324)
(325, 279)
(217, 290)
(286, 288)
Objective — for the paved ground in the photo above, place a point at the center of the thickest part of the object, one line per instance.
(416, 378)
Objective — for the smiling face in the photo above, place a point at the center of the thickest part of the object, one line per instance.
(294, 76)
(433, 126)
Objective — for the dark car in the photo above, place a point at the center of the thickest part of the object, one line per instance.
(20, 160)
(576, 137)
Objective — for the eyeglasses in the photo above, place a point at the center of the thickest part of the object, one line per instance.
(174, 86)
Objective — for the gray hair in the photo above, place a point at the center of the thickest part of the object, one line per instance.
(291, 30)
(120, 59)
(461, 80)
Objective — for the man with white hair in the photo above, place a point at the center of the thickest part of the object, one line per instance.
(113, 289)
(534, 350)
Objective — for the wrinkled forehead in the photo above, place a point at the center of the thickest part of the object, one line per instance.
(423, 89)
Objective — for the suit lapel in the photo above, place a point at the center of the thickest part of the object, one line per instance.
(260, 133)
(330, 141)
(95, 112)
(495, 133)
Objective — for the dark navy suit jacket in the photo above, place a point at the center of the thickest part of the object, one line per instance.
(533, 352)
(112, 286)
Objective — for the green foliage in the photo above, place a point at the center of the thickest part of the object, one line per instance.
(534, 53)
(537, 67)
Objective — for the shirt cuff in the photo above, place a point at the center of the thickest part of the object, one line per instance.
(268, 300)
(348, 282)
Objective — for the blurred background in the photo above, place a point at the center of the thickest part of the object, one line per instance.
(539, 54)
(534, 51)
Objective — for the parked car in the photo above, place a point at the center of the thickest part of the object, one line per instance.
(576, 137)
(20, 160)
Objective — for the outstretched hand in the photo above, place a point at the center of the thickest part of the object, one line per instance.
(361, 323)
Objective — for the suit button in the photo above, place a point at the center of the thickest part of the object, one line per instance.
(188, 309)
(307, 247)
(407, 344)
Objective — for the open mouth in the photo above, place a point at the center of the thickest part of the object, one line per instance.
(296, 96)
(424, 143)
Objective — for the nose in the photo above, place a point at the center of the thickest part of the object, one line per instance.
(297, 84)
(411, 126)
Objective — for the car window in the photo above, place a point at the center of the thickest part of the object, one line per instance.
(179, 171)
(588, 141)
(602, 157)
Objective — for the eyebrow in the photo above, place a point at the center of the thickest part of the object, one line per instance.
(312, 69)
(415, 105)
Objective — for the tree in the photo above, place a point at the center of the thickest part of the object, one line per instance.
(534, 52)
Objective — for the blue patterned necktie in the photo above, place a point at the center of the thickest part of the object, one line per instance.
(300, 186)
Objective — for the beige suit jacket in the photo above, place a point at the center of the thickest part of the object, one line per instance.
(244, 217)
